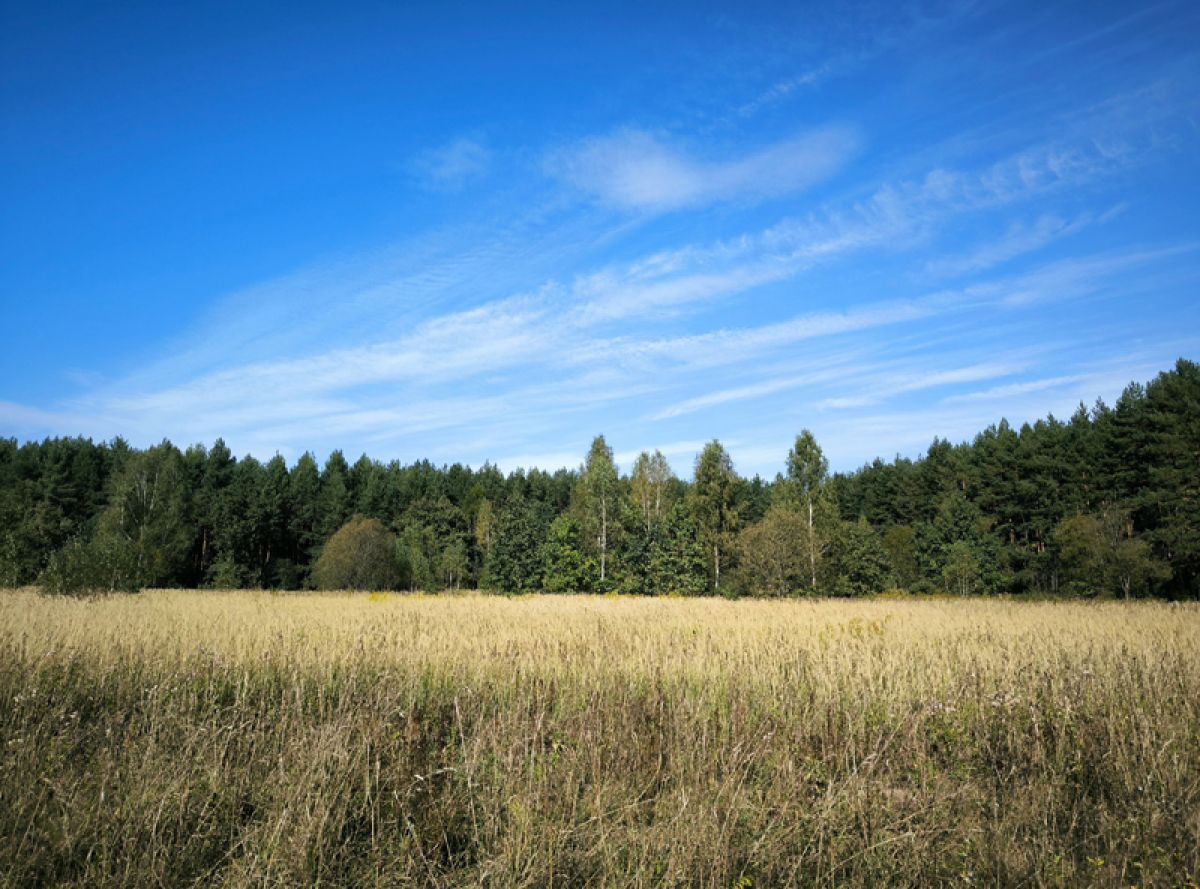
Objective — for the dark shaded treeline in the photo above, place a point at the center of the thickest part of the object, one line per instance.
(1107, 502)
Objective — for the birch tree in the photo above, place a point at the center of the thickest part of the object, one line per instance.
(598, 490)
(649, 487)
(713, 503)
(804, 490)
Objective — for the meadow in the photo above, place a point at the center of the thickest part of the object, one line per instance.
(176, 738)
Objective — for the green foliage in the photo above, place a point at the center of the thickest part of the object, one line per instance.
(415, 553)
(807, 473)
(650, 488)
(105, 564)
(304, 483)
(960, 568)
(227, 574)
(1170, 501)
(677, 560)
(857, 564)
(958, 552)
(899, 542)
(50, 493)
(665, 558)
(146, 514)
(805, 491)
(597, 498)
(993, 515)
(714, 505)
(485, 525)
(771, 557)
(333, 498)
(360, 556)
(1100, 553)
(452, 564)
(565, 567)
(513, 563)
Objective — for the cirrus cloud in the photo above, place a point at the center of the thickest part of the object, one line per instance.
(636, 170)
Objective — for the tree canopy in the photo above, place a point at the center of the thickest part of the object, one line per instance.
(1106, 502)
(361, 555)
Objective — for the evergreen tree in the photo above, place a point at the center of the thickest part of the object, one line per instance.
(333, 500)
(279, 571)
(210, 510)
(677, 563)
(304, 487)
(899, 544)
(513, 564)
(565, 567)
(857, 563)
(1170, 500)
(1014, 510)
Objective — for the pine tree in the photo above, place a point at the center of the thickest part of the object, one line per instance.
(303, 491)
(565, 567)
(1171, 498)
(333, 501)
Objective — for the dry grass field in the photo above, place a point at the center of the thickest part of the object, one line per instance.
(181, 738)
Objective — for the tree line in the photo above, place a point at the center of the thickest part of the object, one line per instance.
(1105, 503)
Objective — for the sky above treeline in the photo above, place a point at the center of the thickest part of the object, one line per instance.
(478, 232)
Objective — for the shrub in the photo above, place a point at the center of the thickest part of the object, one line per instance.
(104, 564)
(772, 560)
(361, 555)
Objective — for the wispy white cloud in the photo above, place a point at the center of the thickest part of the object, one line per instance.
(1000, 392)
(446, 384)
(609, 297)
(22, 417)
(759, 389)
(1020, 239)
(728, 346)
(782, 89)
(453, 166)
(389, 385)
(636, 170)
(1088, 275)
(891, 383)
(432, 349)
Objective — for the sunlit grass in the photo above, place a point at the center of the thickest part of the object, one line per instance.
(244, 738)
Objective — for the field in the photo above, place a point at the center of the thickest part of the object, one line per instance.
(240, 738)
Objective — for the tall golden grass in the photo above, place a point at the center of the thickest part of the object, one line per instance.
(244, 739)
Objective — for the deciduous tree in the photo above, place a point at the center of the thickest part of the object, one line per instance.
(713, 504)
(361, 555)
(803, 490)
(598, 497)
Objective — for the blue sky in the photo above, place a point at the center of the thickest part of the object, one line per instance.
(470, 232)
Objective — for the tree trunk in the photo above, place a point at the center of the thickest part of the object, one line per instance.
(812, 545)
(603, 538)
(716, 567)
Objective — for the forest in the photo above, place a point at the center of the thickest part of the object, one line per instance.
(1105, 503)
